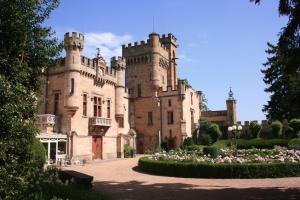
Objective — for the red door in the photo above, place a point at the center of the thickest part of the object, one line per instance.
(97, 147)
(141, 147)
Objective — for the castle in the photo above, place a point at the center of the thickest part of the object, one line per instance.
(91, 110)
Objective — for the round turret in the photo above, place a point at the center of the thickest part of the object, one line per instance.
(74, 41)
(118, 63)
(154, 40)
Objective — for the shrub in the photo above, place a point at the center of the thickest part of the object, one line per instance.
(295, 125)
(294, 144)
(206, 139)
(59, 191)
(210, 129)
(39, 153)
(188, 142)
(128, 151)
(214, 132)
(276, 127)
(254, 128)
(219, 170)
(81, 180)
(213, 151)
(253, 143)
(195, 148)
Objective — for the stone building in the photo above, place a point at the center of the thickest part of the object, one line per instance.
(223, 118)
(89, 113)
(163, 108)
(86, 111)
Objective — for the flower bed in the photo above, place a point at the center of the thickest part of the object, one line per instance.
(230, 163)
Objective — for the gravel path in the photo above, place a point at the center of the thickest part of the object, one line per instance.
(120, 179)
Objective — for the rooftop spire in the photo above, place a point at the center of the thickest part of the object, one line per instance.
(230, 94)
(98, 52)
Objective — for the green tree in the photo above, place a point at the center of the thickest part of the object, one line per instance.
(209, 132)
(203, 104)
(276, 127)
(295, 125)
(254, 128)
(282, 69)
(26, 46)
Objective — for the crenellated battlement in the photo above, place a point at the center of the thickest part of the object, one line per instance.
(74, 40)
(142, 44)
(74, 35)
(118, 62)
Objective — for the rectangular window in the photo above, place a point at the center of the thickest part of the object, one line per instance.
(169, 102)
(84, 105)
(120, 121)
(163, 79)
(150, 119)
(72, 85)
(139, 88)
(97, 107)
(108, 108)
(191, 98)
(170, 117)
(56, 103)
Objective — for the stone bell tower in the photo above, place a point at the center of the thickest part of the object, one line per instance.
(231, 109)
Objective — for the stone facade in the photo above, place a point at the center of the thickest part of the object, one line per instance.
(89, 113)
(163, 108)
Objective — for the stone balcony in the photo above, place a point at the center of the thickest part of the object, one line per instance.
(46, 123)
(100, 121)
(46, 119)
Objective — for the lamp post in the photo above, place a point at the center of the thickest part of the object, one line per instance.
(159, 103)
(235, 130)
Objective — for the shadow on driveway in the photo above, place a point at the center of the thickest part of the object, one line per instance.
(135, 190)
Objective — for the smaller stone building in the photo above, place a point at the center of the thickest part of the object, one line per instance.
(223, 118)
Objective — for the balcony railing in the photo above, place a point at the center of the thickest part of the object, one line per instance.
(99, 121)
(48, 119)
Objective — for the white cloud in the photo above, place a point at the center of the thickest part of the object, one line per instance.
(109, 44)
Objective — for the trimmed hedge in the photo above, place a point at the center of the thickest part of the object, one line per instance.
(221, 170)
(294, 144)
(253, 143)
(50, 191)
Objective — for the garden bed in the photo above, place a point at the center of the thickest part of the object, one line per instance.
(227, 163)
(218, 170)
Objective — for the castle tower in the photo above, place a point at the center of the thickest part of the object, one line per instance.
(155, 44)
(119, 64)
(74, 43)
(231, 109)
(171, 43)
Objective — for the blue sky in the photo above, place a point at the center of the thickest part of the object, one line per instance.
(221, 43)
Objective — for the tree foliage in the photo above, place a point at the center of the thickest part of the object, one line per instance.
(276, 127)
(209, 132)
(203, 104)
(26, 46)
(254, 128)
(282, 69)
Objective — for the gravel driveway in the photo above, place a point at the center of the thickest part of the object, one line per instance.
(121, 179)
